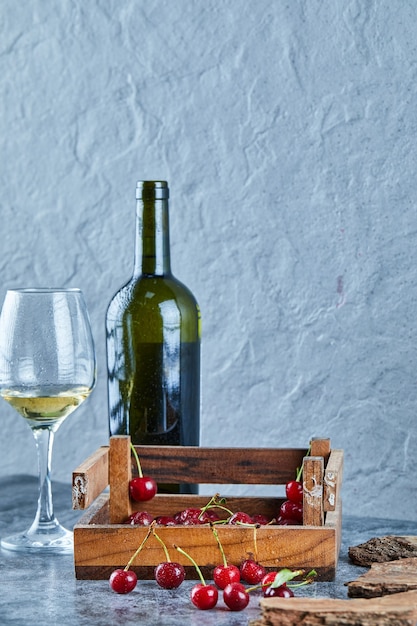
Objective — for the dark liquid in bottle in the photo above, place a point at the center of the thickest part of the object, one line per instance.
(157, 401)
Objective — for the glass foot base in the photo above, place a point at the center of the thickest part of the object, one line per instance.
(59, 540)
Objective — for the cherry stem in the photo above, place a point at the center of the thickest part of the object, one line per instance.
(162, 544)
(129, 563)
(308, 581)
(215, 503)
(135, 454)
(215, 533)
(300, 469)
(190, 558)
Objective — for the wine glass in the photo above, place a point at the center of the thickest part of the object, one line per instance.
(47, 369)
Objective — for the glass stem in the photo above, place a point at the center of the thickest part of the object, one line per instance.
(45, 518)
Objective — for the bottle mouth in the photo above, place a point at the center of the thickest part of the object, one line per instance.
(152, 190)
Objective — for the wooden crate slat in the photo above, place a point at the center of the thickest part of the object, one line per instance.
(193, 464)
(169, 504)
(276, 546)
(313, 510)
(295, 547)
(97, 514)
(334, 520)
(320, 447)
(333, 475)
(90, 478)
(120, 466)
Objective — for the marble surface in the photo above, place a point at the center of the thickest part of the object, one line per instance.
(43, 590)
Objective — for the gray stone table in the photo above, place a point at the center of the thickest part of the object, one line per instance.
(43, 591)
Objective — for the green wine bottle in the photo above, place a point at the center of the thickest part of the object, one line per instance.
(153, 330)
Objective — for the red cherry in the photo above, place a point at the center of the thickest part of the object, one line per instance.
(187, 516)
(211, 516)
(252, 572)
(142, 488)
(263, 520)
(286, 521)
(291, 510)
(240, 518)
(268, 579)
(204, 596)
(123, 581)
(165, 520)
(294, 491)
(236, 597)
(278, 592)
(226, 573)
(223, 575)
(169, 575)
(140, 518)
(267, 582)
(191, 516)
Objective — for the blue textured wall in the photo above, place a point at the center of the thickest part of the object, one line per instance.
(287, 132)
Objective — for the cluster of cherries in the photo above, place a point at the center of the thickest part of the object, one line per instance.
(290, 512)
(226, 577)
(194, 516)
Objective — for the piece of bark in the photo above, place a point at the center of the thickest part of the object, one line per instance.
(399, 609)
(382, 549)
(385, 578)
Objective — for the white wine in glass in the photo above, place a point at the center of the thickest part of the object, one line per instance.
(47, 369)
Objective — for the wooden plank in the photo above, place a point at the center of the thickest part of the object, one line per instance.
(190, 464)
(333, 475)
(333, 519)
(276, 546)
(313, 511)
(120, 473)
(169, 504)
(320, 447)
(97, 513)
(90, 478)
(399, 609)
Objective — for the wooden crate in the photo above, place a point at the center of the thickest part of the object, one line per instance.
(102, 542)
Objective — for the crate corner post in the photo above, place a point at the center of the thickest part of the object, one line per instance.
(120, 473)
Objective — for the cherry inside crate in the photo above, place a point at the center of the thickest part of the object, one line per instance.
(102, 542)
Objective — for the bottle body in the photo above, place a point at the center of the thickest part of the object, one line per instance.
(153, 346)
(153, 339)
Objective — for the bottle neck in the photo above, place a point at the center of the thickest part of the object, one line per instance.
(152, 254)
